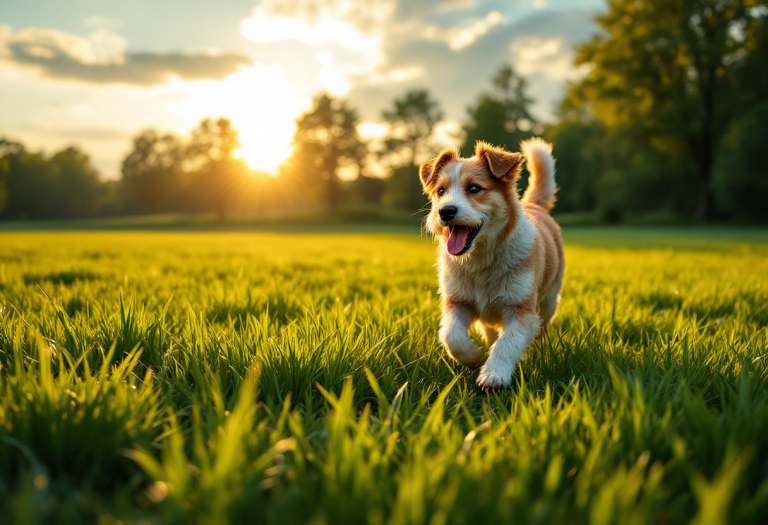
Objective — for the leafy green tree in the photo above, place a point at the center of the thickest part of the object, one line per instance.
(31, 185)
(78, 190)
(210, 151)
(368, 190)
(152, 171)
(6, 148)
(326, 140)
(741, 174)
(580, 160)
(4, 168)
(501, 117)
(663, 76)
(411, 122)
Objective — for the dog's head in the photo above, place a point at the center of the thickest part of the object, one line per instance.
(473, 200)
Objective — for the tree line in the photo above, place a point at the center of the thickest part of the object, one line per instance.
(670, 121)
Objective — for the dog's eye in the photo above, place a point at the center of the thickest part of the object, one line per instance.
(441, 192)
(474, 188)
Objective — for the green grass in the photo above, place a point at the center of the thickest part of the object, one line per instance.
(156, 377)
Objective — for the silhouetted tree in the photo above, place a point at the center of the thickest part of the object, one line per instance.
(79, 190)
(151, 172)
(741, 175)
(31, 183)
(6, 148)
(501, 117)
(33, 186)
(210, 151)
(411, 122)
(409, 138)
(368, 190)
(326, 139)
(663, 75)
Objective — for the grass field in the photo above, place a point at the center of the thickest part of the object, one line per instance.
(158, 377)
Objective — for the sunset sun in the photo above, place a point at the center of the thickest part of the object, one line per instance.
(262, 106)
(265, 148)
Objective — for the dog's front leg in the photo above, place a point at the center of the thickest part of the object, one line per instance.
(454, 334)
(519, 330)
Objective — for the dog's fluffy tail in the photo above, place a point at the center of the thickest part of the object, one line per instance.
(541, 166)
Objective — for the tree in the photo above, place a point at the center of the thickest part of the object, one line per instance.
(326, 139)
(151, 172)
(78, 190)
(31, 185)
(6, 148)
(662, 74)
(501, 117)
(740, 175)
(411, 122)
(210, 151)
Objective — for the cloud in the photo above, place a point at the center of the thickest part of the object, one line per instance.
(102, 58)
(458, 38)
(343, 36)
(550, 57)
(314, 28)
(539, 46)
(350, 40)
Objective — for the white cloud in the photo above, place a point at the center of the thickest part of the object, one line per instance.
(261, 27)
(549, 57)
(351, 36)
(102, 58)
(458, 38)
(99, 48)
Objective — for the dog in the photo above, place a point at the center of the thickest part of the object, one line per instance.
(500, 258)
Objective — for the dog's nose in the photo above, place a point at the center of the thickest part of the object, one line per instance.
(447, 213)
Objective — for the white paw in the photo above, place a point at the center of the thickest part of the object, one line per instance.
(492, 378)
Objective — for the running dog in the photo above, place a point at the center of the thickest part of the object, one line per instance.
(500, 260)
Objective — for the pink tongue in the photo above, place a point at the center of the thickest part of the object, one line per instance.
(458, 239)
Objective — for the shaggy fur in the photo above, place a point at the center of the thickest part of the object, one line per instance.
(506, 273)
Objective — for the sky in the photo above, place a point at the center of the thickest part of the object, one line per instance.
(93, 73)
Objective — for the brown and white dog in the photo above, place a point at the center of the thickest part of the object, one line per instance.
(500, 260)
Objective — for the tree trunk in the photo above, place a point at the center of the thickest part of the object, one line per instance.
(705, 209)
(333, 192)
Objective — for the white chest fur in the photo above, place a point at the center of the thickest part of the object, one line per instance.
(490, 285)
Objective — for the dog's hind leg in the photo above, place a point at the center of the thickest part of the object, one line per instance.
(548, 305)
(490, 334)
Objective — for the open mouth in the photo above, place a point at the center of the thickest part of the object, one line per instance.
(460, 238)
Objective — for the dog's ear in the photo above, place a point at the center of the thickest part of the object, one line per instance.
(429, 169)
(501, 163)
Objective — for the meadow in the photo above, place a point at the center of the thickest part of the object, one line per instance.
(238, 377)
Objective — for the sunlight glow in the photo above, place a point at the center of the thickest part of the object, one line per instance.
(260, 104)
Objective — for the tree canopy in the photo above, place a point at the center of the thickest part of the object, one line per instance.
(663, 74)
(326, 140)
(409, 140)
(501, 117)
